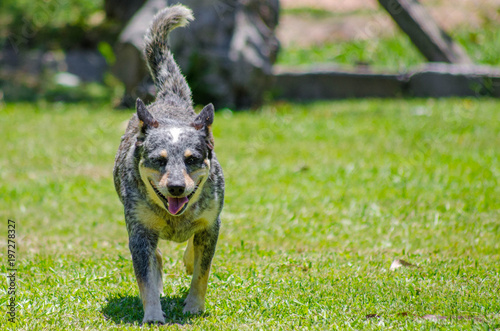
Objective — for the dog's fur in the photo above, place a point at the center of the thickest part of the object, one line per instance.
(167, 176)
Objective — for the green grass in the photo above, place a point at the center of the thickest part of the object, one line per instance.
(395, 52)
(321, 198)
(319, 13)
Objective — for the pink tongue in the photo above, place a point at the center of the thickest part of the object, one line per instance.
(176, 204)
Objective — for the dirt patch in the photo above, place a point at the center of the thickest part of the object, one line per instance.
(331, 5)
(307, 30)
(362, 19)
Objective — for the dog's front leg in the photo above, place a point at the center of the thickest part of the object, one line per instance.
(204, 243)
(147, 268)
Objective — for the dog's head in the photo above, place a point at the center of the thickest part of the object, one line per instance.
(175, 158)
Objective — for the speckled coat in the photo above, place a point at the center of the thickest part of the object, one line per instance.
(168, 177)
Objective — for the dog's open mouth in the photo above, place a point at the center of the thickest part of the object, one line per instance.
(175, 206)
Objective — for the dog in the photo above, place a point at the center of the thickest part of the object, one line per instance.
(167, 175)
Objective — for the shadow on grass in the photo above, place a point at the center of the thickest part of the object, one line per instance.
(128, 309)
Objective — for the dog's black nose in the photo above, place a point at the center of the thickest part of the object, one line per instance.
(176, 190)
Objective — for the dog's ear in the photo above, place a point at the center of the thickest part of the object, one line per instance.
(147, 120)
(204, 122)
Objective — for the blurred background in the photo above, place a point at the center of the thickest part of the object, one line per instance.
(237, 54)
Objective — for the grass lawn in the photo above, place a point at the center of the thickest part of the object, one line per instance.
(321, 198)
(394, 53)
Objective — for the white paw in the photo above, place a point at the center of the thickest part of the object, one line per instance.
(156, 317)
(193, 306)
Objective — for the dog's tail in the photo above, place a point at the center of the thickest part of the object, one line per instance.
(164, 70)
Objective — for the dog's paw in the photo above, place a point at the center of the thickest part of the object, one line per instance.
(154, 318)
(193, 306)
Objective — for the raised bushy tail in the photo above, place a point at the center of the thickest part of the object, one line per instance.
(164, 70)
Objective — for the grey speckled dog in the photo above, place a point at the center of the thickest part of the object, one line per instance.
(167, 176)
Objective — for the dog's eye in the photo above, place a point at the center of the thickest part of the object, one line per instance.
(160, 162)
(192, 160)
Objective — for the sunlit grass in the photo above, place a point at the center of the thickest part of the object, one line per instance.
(320, 199)
(395, 52)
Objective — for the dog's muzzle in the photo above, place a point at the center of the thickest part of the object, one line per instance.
(175, 206)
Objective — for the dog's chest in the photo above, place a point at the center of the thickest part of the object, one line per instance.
(178, 229)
